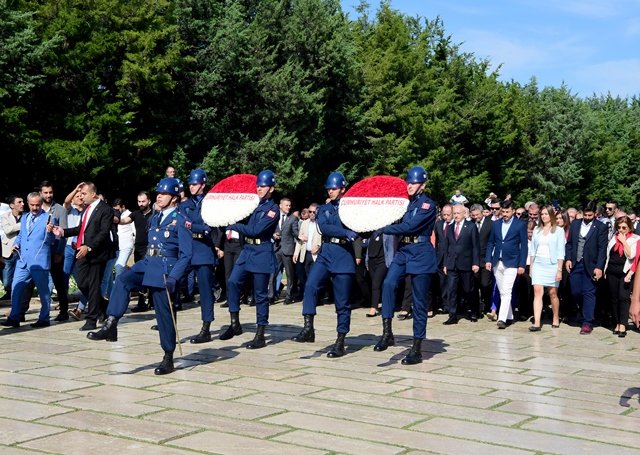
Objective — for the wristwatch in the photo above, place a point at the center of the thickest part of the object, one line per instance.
(89, 249)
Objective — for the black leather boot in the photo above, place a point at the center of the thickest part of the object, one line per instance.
(166, 366)
(307, 334)
(108, 331)
(234, 329)
(415, 353)
(338, 348)
(386, 339)
(204, 336)
(258, 341)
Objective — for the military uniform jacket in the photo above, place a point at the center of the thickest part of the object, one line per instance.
(36, 243)
(171, 243)
(418, 221)
(261, 225)
(203, 247)
(338, 257)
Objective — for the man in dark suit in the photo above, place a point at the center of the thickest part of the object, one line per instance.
(461, 262)
(286, 236)
(484, 278)
(506, 256)
(441, 227)
(586, 253)
(93, 250)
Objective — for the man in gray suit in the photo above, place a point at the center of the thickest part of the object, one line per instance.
(286, 236)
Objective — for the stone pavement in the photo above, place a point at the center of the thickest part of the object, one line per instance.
(479, 390)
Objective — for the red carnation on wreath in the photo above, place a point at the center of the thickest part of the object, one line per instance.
(230, 200)
(373, 203)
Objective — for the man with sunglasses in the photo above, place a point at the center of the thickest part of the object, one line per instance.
(495, 209)
(610, 211)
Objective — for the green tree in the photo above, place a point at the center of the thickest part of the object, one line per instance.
(22, 57)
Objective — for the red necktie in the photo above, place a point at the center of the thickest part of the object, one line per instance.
(85, 217)
(457, 231)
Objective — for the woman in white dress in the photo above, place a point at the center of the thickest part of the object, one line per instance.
(547, 256)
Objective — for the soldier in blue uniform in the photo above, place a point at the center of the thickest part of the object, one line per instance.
(336, 260)
(168, 256)
(415, 257)
(257, 258)
(203, 259)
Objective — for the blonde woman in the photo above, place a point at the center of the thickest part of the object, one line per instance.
(547, 257)
(618, 271)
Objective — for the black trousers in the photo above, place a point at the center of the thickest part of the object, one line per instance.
(620, 297)
(377, 272)
(89, 279)
(465, 280)
(61, 285)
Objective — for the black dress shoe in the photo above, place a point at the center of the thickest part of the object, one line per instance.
(10, 323)
(288, 301)
(404, 317)
(502, 325)
(473, 318)
(88, 325)
(154, 327)
(62, 317)
(224, 305)
(452, 320)
(39, 324)
(534, 328)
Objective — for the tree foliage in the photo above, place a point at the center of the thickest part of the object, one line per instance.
(115, 91)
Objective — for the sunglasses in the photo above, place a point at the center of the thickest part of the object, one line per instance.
(312, 211)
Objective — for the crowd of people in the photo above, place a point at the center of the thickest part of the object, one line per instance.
(465, 260)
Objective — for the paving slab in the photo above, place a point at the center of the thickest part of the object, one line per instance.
(479, 390)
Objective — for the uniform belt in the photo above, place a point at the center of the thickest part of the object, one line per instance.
(327, 239)
(413, 239)
(154, 252)
(251, 241)
(197, 235)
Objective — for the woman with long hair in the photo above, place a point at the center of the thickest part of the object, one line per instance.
(618, 272)
(547, 256)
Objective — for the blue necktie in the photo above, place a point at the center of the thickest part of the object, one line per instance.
(30, 222)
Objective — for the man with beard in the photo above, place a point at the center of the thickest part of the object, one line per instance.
(58, 212)
(140, 219)
(585, 256)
